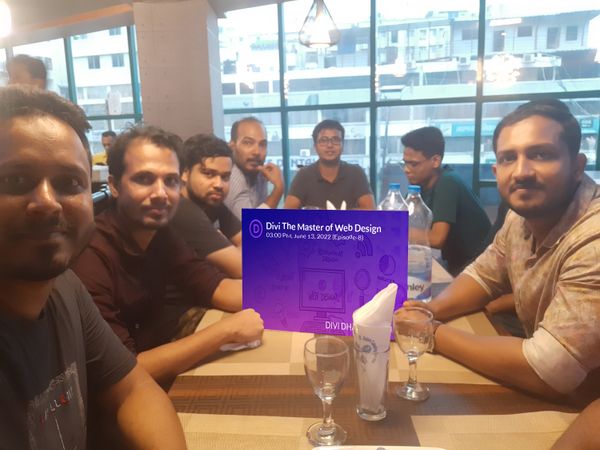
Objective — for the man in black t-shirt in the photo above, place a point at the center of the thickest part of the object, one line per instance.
(202, 218)
(56, 352)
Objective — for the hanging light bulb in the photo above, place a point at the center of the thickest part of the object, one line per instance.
(5, 19)
(319, 30)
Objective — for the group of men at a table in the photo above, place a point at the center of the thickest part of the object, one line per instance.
(143, 263)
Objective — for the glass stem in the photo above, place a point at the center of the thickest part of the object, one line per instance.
(412, 370)
(327, 412)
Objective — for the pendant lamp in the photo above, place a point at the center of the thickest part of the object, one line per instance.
(319, 30)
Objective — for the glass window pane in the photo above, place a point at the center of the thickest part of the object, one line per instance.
(455, 120)
(339, 74)
(102, 72)
(542, 47)
(356, 142)
(52, 53)
(100, 126)
(249, 57)
(423, 53)
(3, 72)
(586, 111)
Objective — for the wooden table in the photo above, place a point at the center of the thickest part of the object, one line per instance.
(262, 399)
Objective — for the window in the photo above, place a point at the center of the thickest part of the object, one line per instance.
(525, 31)
(572, 32)
(499, 40)
(117, 60)
(93, 62)
(469, 34)
(553, 38)
(114, 31)
(52, 54)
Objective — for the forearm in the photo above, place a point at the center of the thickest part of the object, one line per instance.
(464, 295)
(167, 361)
(228, 295)
(498, 357)
(144, 414)
(273, 199)
(582, 434)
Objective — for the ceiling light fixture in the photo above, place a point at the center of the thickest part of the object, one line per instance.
(5, 19)
(319, 30)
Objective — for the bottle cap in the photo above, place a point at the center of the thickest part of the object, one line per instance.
(415, 188)
(393, 186)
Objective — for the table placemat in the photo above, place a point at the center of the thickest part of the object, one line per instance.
(531, 431)
(232, 432)
(282, 354)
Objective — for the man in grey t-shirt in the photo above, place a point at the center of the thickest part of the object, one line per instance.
(56, 351)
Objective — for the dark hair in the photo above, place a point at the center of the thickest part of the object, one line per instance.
(21, 101)
(157, 136)
(552, 109)
(34, 66)
(427, 140)
(201, 146)
(327, 124)
(109, 133)
(236, 125)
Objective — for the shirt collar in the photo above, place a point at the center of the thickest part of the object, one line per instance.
(584, 194)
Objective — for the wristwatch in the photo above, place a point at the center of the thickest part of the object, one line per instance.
(436, 324)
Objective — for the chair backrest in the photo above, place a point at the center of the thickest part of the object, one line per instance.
(101, 199)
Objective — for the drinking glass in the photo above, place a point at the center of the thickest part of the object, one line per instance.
(413, 327)
(326, 362)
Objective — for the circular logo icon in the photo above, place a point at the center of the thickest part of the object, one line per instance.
(255, 228)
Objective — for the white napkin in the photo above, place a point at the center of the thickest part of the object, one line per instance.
(330, 206)
(373, 320)
(372, 330)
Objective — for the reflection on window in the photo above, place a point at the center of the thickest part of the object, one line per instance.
(548, 55)
(52, 53)
(107, 91)
(3, 72)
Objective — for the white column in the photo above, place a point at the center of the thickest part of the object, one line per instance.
(180, 75)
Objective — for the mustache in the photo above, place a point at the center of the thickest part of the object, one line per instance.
(525, 185)
(46, 226)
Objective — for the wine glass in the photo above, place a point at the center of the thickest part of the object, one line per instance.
(326, 362)
(413, 327)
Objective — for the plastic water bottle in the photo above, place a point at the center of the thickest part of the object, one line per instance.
(393, 200)
(419, 251)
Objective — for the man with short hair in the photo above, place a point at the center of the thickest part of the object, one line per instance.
(202, 219)
(57, 355)
(135, 257)
(250, 176)
(108, 139)
(546, 253)
(330, 178)
(460, 225)
(26, 71)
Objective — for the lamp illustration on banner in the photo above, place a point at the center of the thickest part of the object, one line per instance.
(319, 30)
(5, 19)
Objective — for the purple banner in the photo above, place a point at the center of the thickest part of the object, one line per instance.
(308, 270)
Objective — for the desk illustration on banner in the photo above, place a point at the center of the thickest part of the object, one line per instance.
(308, 270)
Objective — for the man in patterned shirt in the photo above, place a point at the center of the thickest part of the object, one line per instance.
(546, 253)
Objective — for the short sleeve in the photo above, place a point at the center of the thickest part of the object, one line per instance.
(107, 360)
(445, 201)
(362, 185)
(490, 269)
(194, 226)
(228, 223)
(298, 187)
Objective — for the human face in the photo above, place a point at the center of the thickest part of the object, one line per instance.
(535, 173)
(250, 148)
(19, 75)
(419, 169)
(107, 142)
(148, 192)
(46, 211)
(207, 183)
(329, 145)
